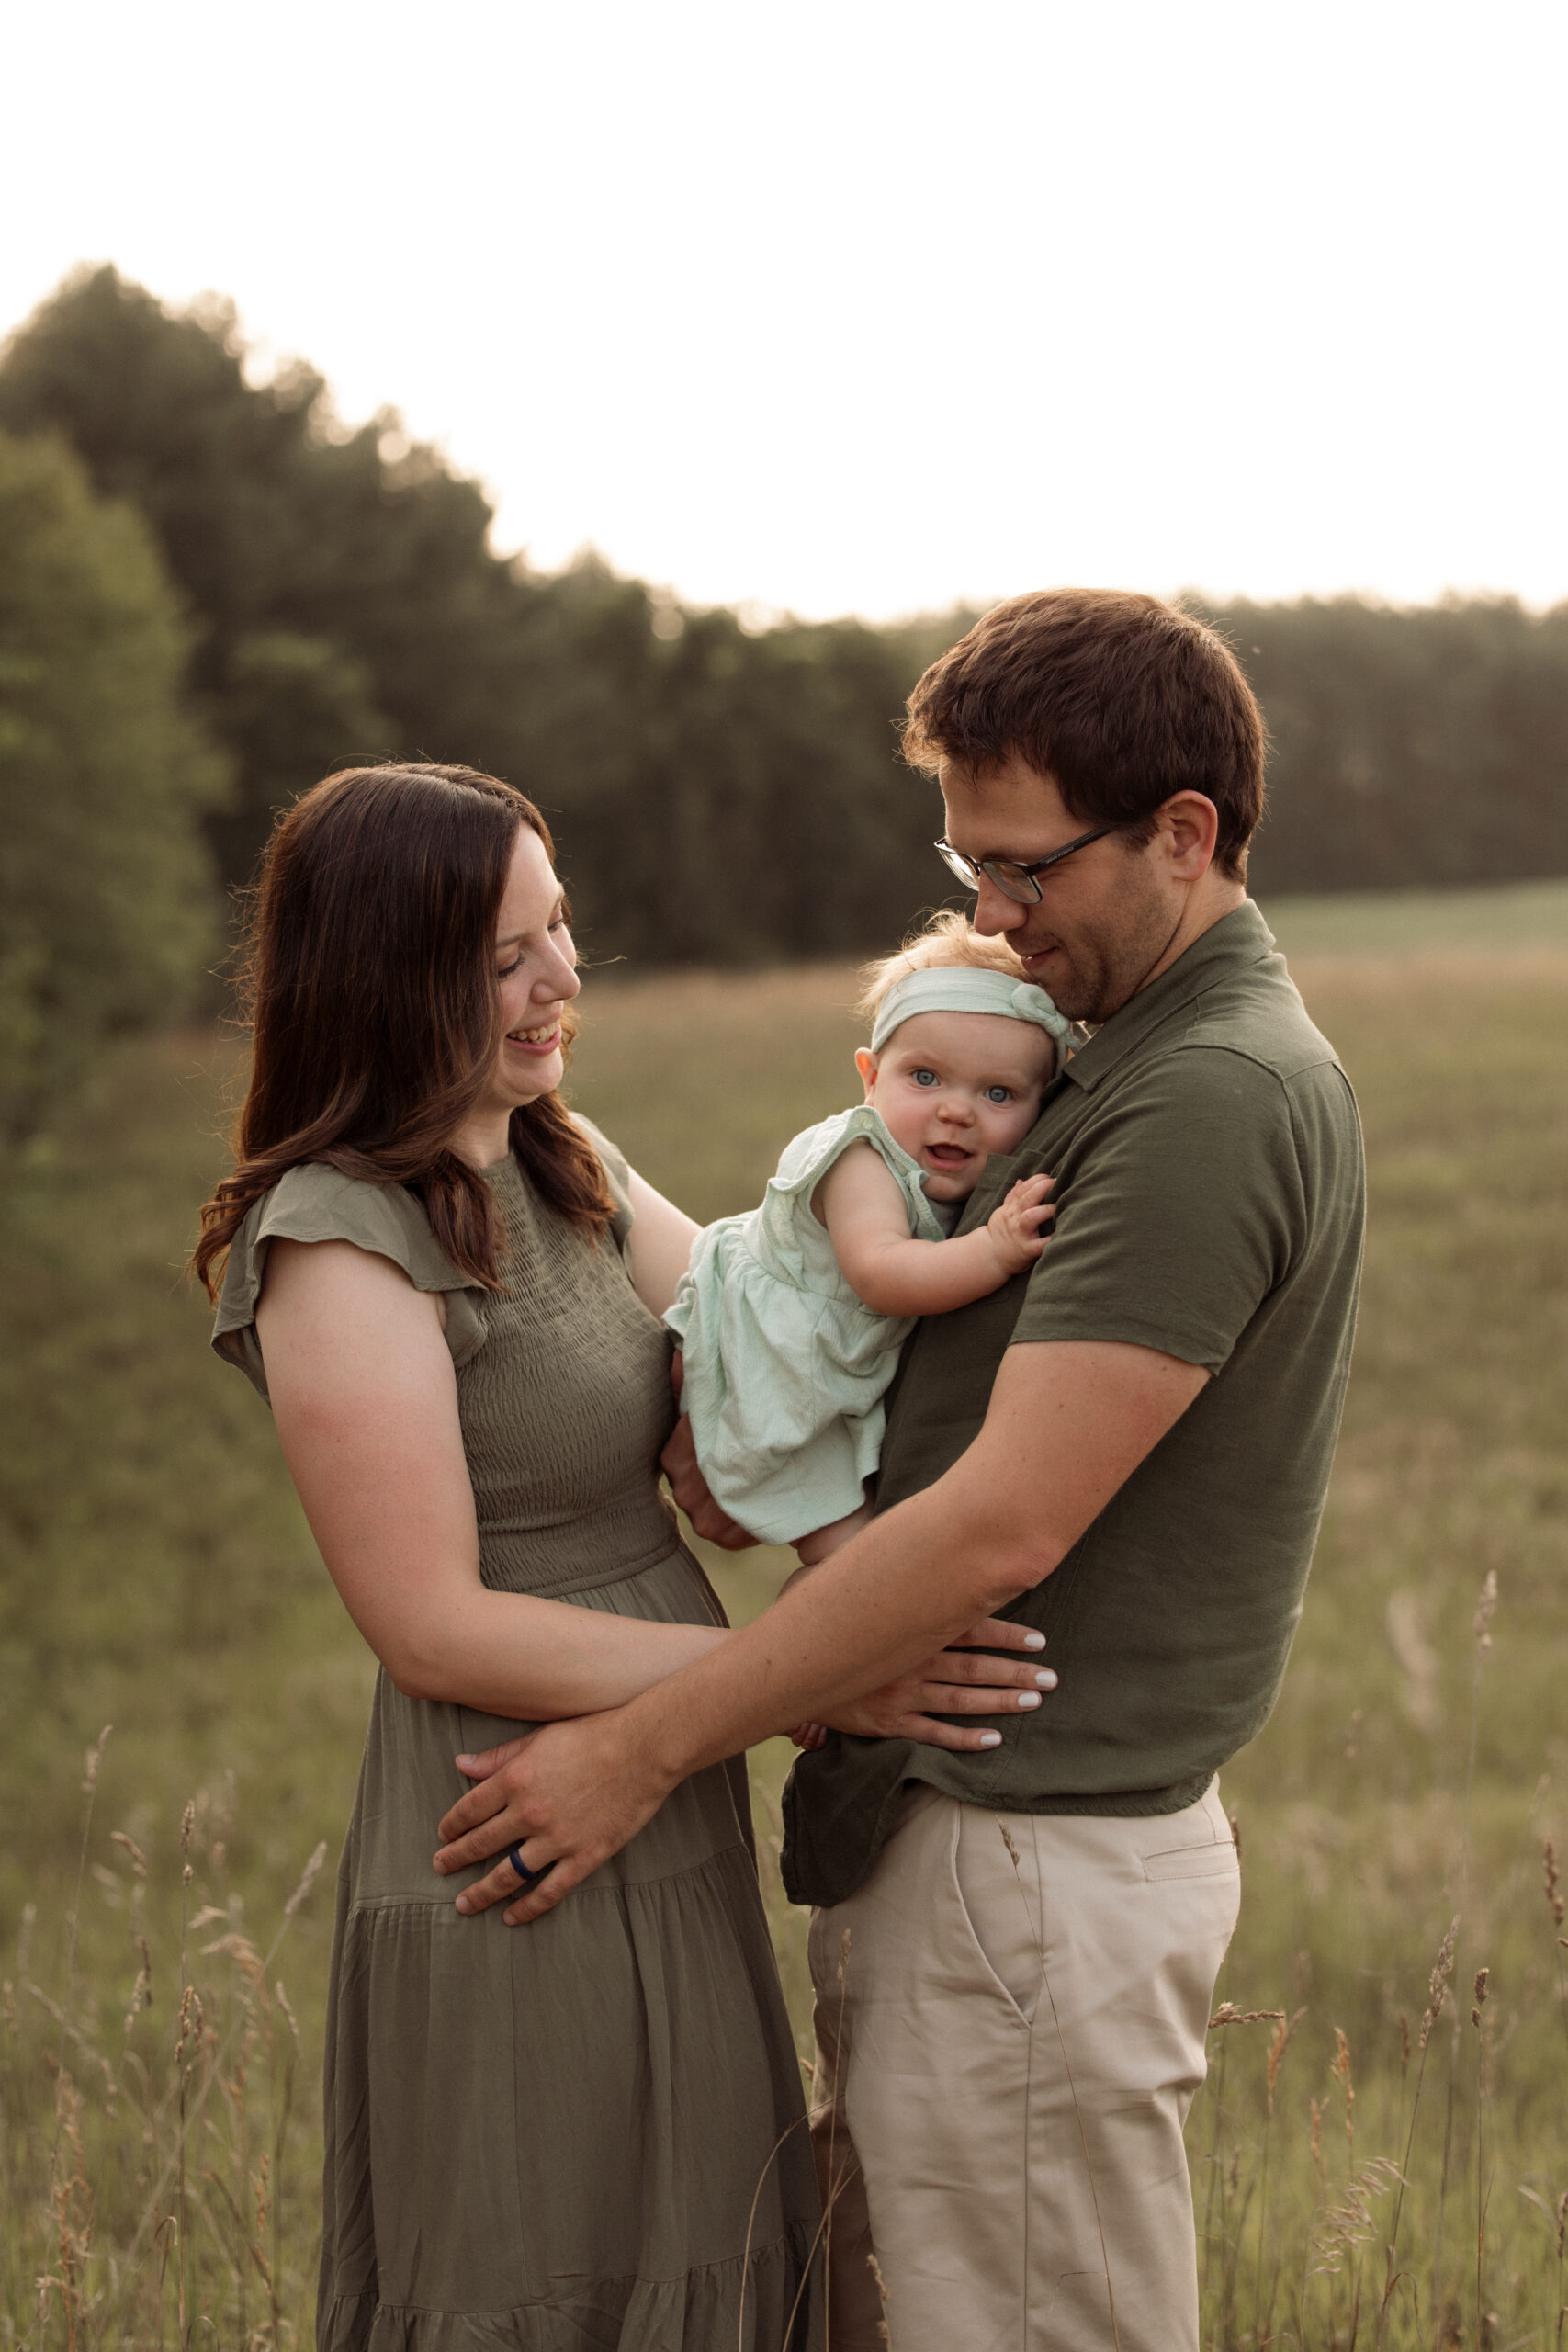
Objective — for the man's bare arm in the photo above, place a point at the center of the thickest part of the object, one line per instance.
(1068, 1423)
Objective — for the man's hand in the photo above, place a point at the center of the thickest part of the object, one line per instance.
(690, 1488)
(960, 1681)
(570, 1795)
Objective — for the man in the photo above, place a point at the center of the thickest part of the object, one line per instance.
(1126, 1451)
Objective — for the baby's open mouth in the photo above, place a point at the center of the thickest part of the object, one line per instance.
(948, 1155)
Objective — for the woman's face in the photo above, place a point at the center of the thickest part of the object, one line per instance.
(536, 979)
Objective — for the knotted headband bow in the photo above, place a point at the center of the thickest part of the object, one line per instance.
(965, 988)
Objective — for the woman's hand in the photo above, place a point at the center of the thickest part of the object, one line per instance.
(959, 1680)
(690, 1488)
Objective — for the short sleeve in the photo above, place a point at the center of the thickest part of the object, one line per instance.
(617, 1175)
(1183, 1206)
(316, 1204)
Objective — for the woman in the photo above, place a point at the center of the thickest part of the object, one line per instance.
(450, 1289)
(555, 2139)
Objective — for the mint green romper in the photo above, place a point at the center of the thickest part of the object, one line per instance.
(786, 1368)
(586, 2135)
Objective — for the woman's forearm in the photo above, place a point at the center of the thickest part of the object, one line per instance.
(535, 1661)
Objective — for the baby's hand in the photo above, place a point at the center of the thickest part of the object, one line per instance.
(1015, 1226)
(809, 1737)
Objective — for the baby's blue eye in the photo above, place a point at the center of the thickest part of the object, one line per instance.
(923, 1076)
(999, 1095)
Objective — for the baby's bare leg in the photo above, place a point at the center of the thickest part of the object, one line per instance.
(823, 1541)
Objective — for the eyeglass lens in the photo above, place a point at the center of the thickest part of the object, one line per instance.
(1009, 879)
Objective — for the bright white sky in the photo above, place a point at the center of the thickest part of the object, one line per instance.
(870, 305)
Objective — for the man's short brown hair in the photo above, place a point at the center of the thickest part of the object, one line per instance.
(1121, 699)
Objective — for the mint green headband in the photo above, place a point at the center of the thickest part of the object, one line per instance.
(965, 988)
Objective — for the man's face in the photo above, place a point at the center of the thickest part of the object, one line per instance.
(1105, 914)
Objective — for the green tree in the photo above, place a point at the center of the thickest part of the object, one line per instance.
(346, 598)
(106, 900)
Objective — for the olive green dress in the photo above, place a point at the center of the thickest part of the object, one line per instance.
(547, 2139)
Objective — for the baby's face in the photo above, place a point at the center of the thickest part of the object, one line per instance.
(953, 1086)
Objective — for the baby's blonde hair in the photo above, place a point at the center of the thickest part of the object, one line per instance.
(948, 939)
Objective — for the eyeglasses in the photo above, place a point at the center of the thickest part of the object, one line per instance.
(1013, 880)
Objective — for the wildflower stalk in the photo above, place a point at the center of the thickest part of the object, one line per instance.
(94, 1758)
(1437, 1993)
(1486, 1608)
(1477, 2021)
(1555, 1904)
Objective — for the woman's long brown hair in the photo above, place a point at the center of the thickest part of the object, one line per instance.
(368, 983)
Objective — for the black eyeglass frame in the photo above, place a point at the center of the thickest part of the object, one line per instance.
(969, 870)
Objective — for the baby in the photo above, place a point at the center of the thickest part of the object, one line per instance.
(791, 1317)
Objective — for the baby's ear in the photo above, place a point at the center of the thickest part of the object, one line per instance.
(865, 1062)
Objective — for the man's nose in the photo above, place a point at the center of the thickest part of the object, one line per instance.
(995, 911)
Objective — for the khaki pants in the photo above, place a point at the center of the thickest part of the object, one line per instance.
(1005, 2060)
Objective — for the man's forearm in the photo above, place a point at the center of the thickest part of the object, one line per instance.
(896, 1593)
(1067, 1424)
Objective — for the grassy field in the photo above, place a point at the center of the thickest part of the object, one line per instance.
(158, 1578)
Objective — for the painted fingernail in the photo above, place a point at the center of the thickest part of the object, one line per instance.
(1046, 1677)
(990, 1740)
(1029, 1698)
(1035, 1641)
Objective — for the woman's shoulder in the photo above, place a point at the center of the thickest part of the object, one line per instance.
(315, 1203)
(617, 1174)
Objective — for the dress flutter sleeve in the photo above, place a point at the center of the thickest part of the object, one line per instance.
(617, 1174)
(316, 1204)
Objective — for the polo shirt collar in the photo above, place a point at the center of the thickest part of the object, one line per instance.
(1238, 939)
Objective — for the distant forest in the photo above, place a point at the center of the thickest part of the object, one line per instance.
(321, 594)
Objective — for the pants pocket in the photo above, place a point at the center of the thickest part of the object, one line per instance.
(1001, 1902)
(1213, 1860)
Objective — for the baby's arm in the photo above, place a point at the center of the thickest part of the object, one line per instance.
(861, 1203)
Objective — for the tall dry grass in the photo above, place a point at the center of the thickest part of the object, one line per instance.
(1400, 2187)
(157, 2173)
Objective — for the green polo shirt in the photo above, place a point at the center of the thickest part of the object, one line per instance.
(1210, 1203)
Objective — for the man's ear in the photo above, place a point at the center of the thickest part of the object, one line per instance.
(1191, 823)
(866, 1063)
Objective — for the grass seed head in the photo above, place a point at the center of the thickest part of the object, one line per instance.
(307, 1881)
(1437, 1983)
(137, 1859)
(1486, 1608)
(1553, 1881)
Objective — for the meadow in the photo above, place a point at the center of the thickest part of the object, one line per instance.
(1366, 2171)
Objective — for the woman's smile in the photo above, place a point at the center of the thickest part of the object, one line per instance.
(541, 1040)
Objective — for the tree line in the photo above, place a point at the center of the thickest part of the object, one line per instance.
(215, 591)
